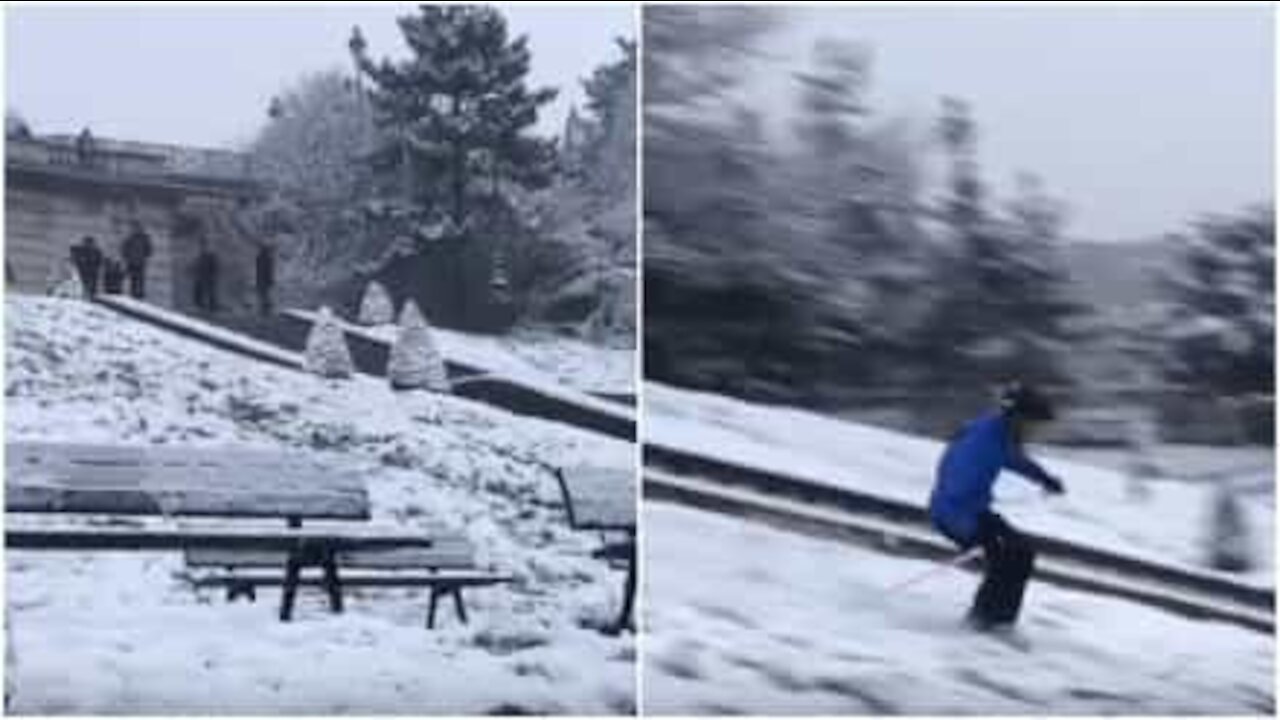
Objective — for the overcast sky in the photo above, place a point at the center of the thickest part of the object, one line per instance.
(204, 75)
(1140, 118)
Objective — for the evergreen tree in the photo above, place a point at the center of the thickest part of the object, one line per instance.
(376, 307)
(832, 109)
(1219, 322)
(326, 352)
(999, 311)
(611, 100)
(456, 115)
(415, 361)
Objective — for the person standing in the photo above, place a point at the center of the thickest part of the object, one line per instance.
(960, 505)
(112, 276)
(136, 251)
(87, 259)
(265, 276)
(206, 279)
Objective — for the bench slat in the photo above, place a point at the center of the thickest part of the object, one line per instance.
(37, 538)
(445, 555)
(458, 579)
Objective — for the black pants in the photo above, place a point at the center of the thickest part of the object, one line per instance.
(1009, 558)
(137, 274)
(264, 300)
(89, 279)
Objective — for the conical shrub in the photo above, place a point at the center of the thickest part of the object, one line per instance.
(415, 361)
(327, 354)
(376, 307)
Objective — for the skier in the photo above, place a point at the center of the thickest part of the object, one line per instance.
(960, 506)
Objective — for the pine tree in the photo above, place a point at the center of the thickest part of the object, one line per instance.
(376, 307)
(1000, 311)
(415, 361)
(1219, 324)
(456, 115)
(327, 354)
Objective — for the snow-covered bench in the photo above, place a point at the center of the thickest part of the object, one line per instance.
(446, 567)
(235, 485)
(604, 500)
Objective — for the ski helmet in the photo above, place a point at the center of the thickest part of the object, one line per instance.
(1025, 401)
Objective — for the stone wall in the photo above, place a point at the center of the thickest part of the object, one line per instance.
(42, 223)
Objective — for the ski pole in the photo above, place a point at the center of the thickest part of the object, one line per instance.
(956, 561)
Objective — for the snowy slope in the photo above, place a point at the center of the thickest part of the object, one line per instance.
(116, 632)
(541, 359)
(1168, 526)
(799, 625)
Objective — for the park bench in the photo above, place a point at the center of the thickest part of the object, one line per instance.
(445, 568)
(603, 500)
(229, 483)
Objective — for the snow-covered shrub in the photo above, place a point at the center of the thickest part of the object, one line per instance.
(65, 283)
(415, 361)
(327, 354)
(376, 307)
(1229, 541)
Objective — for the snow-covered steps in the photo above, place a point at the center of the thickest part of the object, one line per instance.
(824, 510)
(280, 339)
(202, 330)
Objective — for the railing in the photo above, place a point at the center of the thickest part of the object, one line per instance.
(130, 160)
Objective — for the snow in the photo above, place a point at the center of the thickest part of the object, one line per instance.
(494, 356)
(800, 625)
(1168, 526)
(208, 330)
(103, 632)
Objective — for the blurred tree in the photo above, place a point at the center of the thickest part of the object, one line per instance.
(1229, 540)
(1219, 320)
(832, 107)
(999, 308)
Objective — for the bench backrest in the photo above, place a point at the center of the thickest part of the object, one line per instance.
(598, 498)
(147, 480)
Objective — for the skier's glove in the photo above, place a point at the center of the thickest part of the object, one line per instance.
(1053, 486)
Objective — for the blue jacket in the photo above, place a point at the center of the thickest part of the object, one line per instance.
(968, 469)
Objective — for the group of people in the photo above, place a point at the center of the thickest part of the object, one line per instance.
(94, 268)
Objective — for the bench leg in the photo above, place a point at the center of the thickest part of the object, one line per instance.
(431, 608)
(457, 604)
(236, 589)
(332, 584)
(292, 570)
(624, 621)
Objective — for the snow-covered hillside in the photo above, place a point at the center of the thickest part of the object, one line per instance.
(118, 633)
(797, 625)
(541, 358)
(1168, 524)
